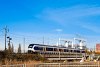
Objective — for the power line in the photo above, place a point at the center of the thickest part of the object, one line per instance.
(6, 30)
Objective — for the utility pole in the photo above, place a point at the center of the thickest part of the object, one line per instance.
(5, 35)
(43, 40)
(9, 40)
(9, 46)
(24, 44)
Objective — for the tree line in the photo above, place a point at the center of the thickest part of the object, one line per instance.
(10, 56)
(11, 48)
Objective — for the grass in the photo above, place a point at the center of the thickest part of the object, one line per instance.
(18, 58)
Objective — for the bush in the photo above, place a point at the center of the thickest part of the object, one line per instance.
(6, 56)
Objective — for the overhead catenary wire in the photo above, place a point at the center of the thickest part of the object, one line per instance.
(19, 37)
(32, 38)
(35, 39)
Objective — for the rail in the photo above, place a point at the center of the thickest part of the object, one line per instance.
(68, 64)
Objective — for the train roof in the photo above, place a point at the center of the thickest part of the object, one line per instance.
(54, 46)
(42, 45)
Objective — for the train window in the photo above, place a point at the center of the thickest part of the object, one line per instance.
(60, 49)
(55, 49)
(83, 51)
(30, 46)
(75, 50)
(38, 48)
(49, 49)
(71, 50)
(65, 50)
(78, 51)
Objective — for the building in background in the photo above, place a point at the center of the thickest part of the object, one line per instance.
(98, 47)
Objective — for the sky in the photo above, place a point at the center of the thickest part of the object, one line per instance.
(36, 20)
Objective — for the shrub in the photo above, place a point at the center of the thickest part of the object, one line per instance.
(6, 56)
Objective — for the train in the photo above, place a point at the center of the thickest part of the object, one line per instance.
(36, 48)
(56, 52)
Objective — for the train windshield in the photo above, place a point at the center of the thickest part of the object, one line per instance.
(30, 46)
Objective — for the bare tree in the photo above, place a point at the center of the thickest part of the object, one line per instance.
(12, 49)
(19, 48)
(9, 48)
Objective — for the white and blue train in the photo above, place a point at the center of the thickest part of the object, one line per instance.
(56, 52)
(35, 48)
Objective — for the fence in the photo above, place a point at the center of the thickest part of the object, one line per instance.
(17, 65)
(85, 64)
(90, 64)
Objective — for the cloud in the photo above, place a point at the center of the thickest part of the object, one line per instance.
(59, 30)
(68, 14)
(72, 16)
(92, 28)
